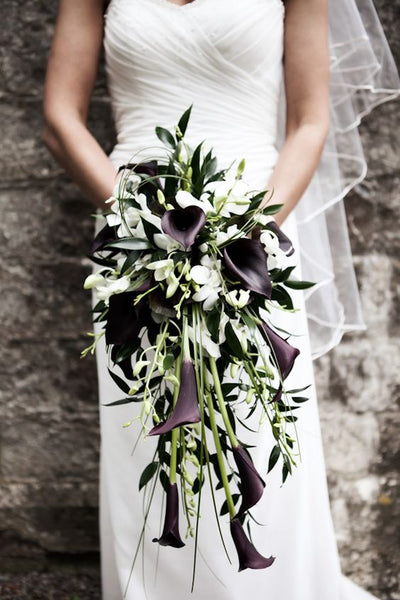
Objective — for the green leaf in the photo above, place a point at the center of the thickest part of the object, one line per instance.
(233, 342)
(165, 136)
(285, 472)
(149, 229)
(130, 260)
(122, 401)
(273, 457)
(271, 209)
(299, 285)
(213, 319)
(282, 297)
(183, 121)
(164, 480)
(224, 508)
(169, 360)
(130, 244)
(299, 399)
(121, 383)
(195, 161)
(147, 474)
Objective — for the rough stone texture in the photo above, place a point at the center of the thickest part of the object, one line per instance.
(49, 426)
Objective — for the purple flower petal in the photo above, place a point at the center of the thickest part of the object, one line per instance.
(124, 320)
(170, 535)
(284, 242)
(246, 260)
(187, 405)
(252, 485)
(184, 224)
(249, 557)
(285, 353)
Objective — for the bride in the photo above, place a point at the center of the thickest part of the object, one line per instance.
(257, 73)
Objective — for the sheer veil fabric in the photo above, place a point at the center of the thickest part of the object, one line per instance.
(225, 58)
(362, 75)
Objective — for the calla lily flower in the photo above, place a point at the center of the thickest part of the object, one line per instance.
(252, 485)
(170, 535)
(184, 224)
(186, 409)
(246, 261)
(249, 557)
(285, 353)
(124, 319)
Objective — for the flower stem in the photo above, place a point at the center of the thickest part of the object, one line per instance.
(175, 431)
(221, 403)
(221, 464)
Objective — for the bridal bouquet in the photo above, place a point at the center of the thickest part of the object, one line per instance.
(186, 297)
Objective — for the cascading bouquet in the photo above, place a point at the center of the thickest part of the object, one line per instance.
(186, 296)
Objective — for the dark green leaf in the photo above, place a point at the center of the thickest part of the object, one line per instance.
(128, 400)
(130, 244)
(130, 260)
(121, 383)
(183, 121)
(299, 285)
(273, 457)
(233, 342)
(164, 480)
(147, 474)
(165, 136)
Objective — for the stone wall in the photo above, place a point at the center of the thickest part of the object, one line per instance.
(49, 425)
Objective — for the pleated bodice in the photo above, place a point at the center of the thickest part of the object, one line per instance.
(222, 56)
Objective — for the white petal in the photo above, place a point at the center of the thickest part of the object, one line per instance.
(200, 274)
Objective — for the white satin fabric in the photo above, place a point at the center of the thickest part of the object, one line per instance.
(225, 58)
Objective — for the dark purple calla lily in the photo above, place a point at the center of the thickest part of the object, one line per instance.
(124, 319)
(245, 260)
(284, 242)
(170, 535)
(187, 405)
(285, 353)
(105, 236)
(249, 557)
(184, 224)
(252, 485)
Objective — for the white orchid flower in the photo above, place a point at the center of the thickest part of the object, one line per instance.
(240, 332)
(222, 236)
(173, 284)
(279, 260)
(162, 268)
(230, 196)
(208, 276)
(166, 242)
(209, 346)
(185, 199)
(111, 286)
(237, 298)
(93, 281)
(270, 241)
(263, 219)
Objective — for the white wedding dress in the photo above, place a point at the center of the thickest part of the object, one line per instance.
(225, 58)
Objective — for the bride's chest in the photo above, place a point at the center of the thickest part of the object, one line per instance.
(245, 33)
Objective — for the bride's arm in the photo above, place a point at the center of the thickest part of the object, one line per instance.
(71, 74)
(306, 67)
